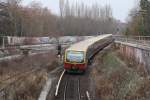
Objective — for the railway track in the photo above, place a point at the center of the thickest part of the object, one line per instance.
(72, 87)
(19, 76)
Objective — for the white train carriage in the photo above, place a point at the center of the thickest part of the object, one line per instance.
(79, 55)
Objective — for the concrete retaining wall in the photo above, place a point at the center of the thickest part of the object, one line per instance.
(140, 54)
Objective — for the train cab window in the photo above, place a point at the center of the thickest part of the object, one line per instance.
(75, 56)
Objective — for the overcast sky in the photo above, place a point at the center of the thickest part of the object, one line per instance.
(120, 8)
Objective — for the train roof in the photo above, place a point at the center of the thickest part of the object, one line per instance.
(83, 45)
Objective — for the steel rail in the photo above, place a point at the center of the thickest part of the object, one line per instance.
(16, 75)
(65, 90)
(19, 77)
(88, 95)
(79, 90)
(58, 84)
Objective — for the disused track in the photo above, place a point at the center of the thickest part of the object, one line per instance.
(19, 76)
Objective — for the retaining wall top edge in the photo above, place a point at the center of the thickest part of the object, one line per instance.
(134, 45)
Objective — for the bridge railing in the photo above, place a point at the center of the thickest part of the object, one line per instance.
(141, 40)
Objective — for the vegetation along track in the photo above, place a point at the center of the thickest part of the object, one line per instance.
(19, 76)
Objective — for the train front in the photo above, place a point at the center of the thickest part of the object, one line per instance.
(74, 61)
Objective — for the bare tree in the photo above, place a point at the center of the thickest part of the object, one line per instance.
(74, 19)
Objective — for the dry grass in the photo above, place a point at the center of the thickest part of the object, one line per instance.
(28, 87)
(10, 68)
(116, 81)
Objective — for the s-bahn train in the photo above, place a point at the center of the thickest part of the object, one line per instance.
(78, 56)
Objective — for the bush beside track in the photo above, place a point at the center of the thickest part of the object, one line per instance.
(116, 80)
(23, 79)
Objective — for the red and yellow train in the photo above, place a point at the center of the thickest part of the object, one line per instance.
(78, 56)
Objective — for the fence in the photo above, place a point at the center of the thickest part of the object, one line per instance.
(141, 40)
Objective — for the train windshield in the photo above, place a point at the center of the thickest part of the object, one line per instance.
(75, 56)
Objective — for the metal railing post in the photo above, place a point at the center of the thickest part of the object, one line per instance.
(143, 40)
(3, 45)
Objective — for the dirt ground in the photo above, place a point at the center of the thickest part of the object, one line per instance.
(23, 79)
(116, 78)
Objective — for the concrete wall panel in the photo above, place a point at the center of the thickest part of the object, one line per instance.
(137, 53)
